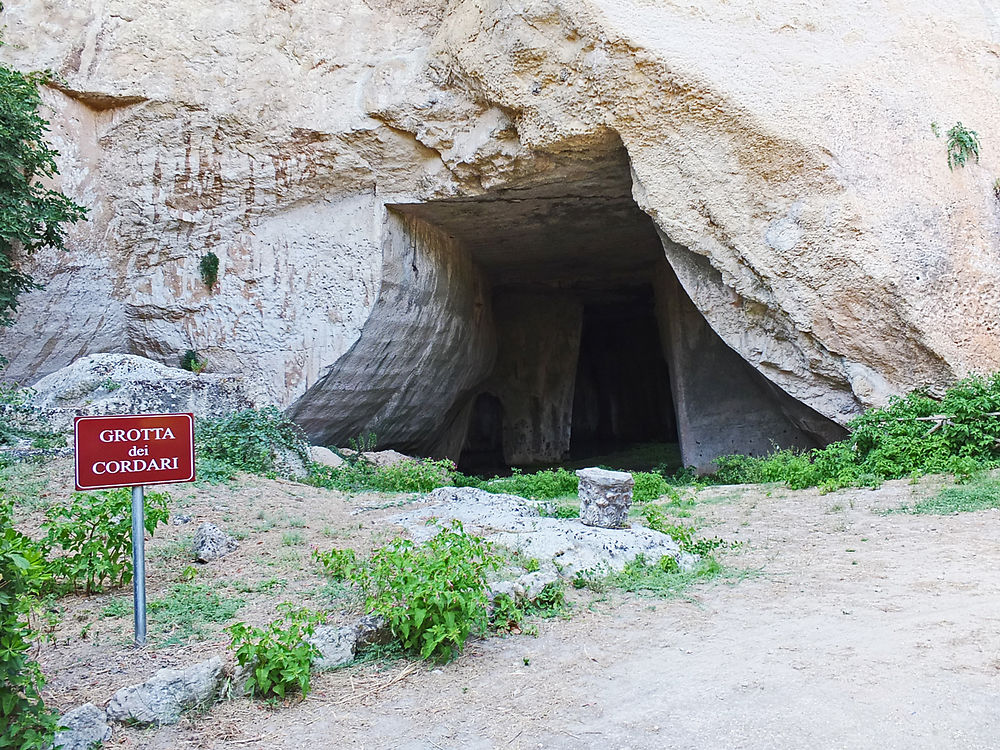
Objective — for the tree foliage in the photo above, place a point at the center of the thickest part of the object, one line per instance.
(32, 215)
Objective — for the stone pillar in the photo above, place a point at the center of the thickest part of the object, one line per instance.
(605, 497)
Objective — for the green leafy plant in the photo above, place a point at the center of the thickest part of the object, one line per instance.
(32, 215)
(25, 722)
(94, 534)
(191, 362)
(913, 435)
(251, 440)
(338, 564)
(278, 654)
(963, 144)
(548, 484)
(432, 595)
(685, 536)
(361, 475)
(208, 266)
(664, 578)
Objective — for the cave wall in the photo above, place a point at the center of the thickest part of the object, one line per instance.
(429, 340)
(535, 374)
(724, 406)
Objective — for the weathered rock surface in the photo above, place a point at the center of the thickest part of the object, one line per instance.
(163, 698)
(211, 543)
(798, 190)
(514, 522)
(324, 456)
(339, 645)
(126, 384)
(605, 497)
(86, 727)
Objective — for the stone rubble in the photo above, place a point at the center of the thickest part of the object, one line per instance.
(567, 545)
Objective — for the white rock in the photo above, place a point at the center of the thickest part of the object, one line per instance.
(324, 456)
(170, 692)
(86, 727)
(211, 543)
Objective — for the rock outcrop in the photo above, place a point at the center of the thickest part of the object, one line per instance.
(376, 178)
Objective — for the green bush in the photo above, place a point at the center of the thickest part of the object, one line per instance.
(191, 362)
(361, 475)
(650, 486)
(94, 534)
(278, 653)
(912, 435)
(432, 595)
(208, 266)
(25, 722)
(338, 564)
(542, 485)
(31, 214)
(251, 440)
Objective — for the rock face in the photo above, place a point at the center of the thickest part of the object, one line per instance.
(605, 497)
(378, 178)
(162, 699)
(125, 384)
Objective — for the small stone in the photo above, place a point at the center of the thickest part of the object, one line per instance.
(86, 726)
(336, 646)
(372, 630)
(534, 583)
(179, 520)
(211, 543)
(162, 699)
(605, 497)
(324, 456)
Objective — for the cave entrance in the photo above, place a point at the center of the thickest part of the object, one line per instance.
(541, 323)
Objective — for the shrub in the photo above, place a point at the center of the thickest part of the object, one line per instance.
(542, 485)
(191, 362)
(25, 722)
(208, 266)
(650, 486)
(963, 144)
(912, 435)
(433, 595)
(251, 440)
(278, 653)
(338, 564)
(31, 215)
(361, 475)
(95, 535)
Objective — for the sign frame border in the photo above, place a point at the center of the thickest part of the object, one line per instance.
(76, 457)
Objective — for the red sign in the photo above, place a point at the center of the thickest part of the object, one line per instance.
(133, 450)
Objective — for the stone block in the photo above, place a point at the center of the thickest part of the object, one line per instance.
(605, 497)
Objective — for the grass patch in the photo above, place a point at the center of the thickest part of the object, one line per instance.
(983, 494)
(182, 613)
(664, 580)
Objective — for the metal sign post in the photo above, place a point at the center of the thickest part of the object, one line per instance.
(139, 564)
(134, 450)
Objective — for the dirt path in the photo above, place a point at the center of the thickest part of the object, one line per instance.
(853, 629)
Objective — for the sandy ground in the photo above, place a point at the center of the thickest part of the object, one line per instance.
(846, 628)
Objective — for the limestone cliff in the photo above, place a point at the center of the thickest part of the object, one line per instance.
(784, 151)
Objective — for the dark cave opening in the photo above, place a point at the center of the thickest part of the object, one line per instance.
(622, 393)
